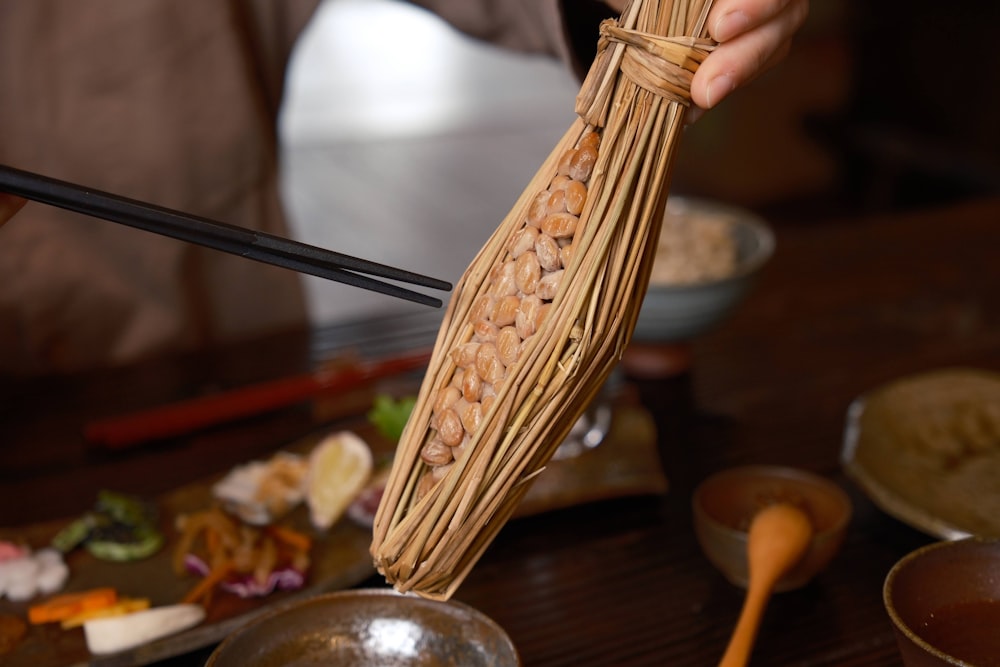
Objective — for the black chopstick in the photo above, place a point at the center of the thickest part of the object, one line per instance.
(248, 243)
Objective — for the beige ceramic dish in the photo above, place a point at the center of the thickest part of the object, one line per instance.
(367, 627)
(926, 450)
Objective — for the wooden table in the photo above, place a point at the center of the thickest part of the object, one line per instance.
(840, 309)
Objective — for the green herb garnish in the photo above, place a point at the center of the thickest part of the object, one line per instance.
(389, 415)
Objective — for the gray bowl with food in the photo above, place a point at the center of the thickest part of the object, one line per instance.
(708, 256)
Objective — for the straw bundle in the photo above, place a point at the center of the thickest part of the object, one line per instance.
(523, 349)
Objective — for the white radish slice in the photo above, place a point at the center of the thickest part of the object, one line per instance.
(119, 633)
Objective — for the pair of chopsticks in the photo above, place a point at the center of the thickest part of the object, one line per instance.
(247, 243)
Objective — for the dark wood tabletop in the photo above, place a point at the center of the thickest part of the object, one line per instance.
(841, 308)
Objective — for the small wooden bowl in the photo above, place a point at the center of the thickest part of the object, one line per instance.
(944, 603)
(724, 504)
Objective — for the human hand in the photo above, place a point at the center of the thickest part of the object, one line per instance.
(9, 205)
(753, 36)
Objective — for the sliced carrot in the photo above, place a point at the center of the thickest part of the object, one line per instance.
(291, 537)
(212, 540)
(207, 583)
(63, 606)
(123, 606)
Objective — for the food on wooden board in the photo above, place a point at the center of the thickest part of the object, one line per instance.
(118, 633)
(261, 492)
(238, 558)
(25, 573)
(327, 479)
(124, 605)
(67, 605)
(120, 527)
(339, 467)
(389, 415)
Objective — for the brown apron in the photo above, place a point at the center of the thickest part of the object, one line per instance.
(169, 102)
(173, 102)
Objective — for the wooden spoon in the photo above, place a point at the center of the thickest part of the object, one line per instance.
(779, 536)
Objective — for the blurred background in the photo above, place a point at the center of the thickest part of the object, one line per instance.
(391, 115)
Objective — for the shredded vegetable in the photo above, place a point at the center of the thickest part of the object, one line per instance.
(238, 558)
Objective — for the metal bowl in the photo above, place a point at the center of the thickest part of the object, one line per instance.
(678, 312)
(368, 627)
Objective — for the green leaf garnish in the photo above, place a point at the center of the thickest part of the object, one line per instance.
(390, 415)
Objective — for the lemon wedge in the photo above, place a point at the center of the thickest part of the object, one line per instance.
(339, 467)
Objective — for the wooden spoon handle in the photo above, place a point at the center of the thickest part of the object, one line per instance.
(742, 640)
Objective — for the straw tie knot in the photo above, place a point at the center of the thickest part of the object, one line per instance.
(661, 65)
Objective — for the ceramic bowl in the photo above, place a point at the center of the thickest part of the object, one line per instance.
(724, 504)
(944, 603)
(368, 627)
(674, 312)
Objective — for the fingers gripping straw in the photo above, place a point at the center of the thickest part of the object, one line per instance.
(546, 308)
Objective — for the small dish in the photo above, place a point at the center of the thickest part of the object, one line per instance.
(724, 504)
(944, 603)
(365, 627)
(926, 449)
(683, 302)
